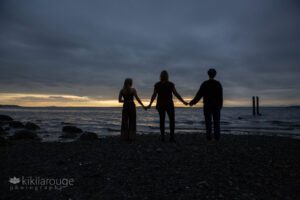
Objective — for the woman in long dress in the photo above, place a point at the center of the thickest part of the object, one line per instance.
(126, 96)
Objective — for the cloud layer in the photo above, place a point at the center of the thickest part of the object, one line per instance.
(88, 48)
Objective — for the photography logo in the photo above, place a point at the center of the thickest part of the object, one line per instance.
(14, 180)
(39, 183)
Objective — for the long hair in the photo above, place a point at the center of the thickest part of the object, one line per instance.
(164, 76)
(127, 85)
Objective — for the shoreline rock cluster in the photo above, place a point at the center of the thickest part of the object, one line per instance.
(23, 131)
(27, 131)
(72, 132)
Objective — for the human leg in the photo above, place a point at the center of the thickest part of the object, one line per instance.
(171, 115)
(208, 116)
(162, 116)
(216, 119)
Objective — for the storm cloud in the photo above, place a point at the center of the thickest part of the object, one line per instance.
(88, 48)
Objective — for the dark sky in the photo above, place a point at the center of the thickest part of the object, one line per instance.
(88, 48)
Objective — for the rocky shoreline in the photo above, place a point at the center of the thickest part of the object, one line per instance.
(16, 130)
(237, 167)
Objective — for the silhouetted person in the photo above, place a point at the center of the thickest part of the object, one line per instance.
(212, 93)
(164, 90)
(126, 96)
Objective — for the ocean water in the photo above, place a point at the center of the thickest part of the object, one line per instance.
(282, 121)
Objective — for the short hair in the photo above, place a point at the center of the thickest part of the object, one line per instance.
(164, 76)
(212, 73)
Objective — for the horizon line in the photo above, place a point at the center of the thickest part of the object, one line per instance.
(139, 106)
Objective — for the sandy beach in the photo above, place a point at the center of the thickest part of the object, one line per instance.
(237, 167)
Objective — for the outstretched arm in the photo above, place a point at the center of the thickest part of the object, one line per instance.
(152, 98)
(120, 97)
(198, 96)
(138, 99)
(178, 96)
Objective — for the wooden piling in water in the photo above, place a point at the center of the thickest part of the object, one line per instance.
(253, 106)
(257, 106)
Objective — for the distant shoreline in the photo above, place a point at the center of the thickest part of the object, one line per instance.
(82, 107)
(10, 106)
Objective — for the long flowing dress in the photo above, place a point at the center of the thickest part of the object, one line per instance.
(128, 127)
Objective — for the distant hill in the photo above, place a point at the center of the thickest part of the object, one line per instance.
(10, 106)
(293, 106)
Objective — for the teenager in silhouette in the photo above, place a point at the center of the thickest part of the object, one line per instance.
(164, 90)
(126, 96)
(212, 93)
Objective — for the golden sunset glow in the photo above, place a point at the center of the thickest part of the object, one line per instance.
(41, 100)
(60, 100)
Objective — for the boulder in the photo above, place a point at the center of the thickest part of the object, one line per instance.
(71, 129)
(3, 123)
(70, 132)
(24, 135)
(5, 118)
(2, 140)
(31, 126)
(16, 124)
(2, 131)
(88, 136)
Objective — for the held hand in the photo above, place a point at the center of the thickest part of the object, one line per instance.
(148, 107)
(191, 104)
(185, 103)
(143, 106)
